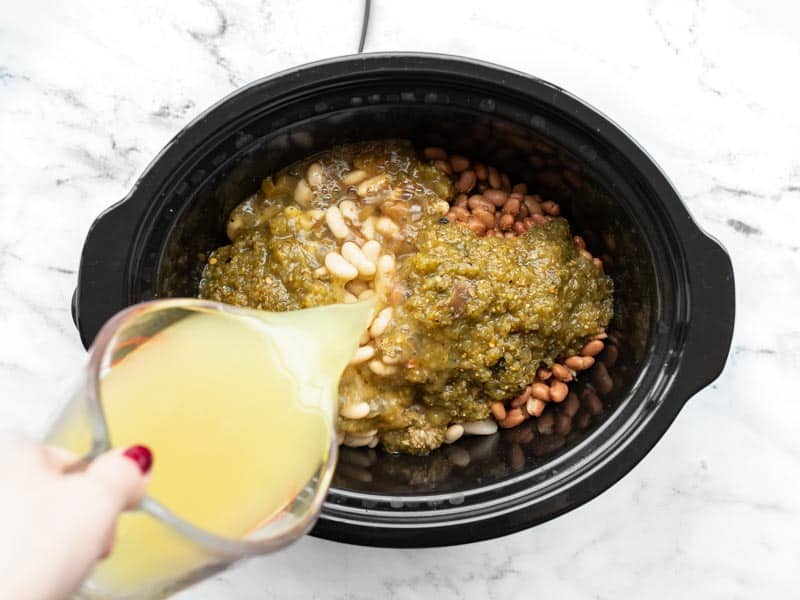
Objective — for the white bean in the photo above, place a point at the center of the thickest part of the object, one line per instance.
(364, 339)
(372, 250)
(381, 322)
(384, 274)
(352, 441)
(458, 456)
(335, 221)
(368, 227)
(314, 175)
(453, 433)
(316, 214)
(387, 227)
(354, 177)
(339, 267)
(362, 355)
(485, 427)
(373, 442)
(353, 254)
(350, 298)
(303, 194)
(357, 287)
(394, 359)
(358, 459)
(372, 185)
(234, 226)
(320, 272)
(442, 207)
(380, 368)
(359, 434)
(349, 210)
(356, 410)
(386, 264)
(368, 293)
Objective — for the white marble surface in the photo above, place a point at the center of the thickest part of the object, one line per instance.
(90, 91)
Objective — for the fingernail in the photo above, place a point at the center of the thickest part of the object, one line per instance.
(142, 456)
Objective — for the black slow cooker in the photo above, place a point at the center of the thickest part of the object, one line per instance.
(674, 292)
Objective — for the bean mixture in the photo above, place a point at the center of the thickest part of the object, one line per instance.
(487, 307)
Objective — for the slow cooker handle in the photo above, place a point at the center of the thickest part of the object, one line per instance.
(713, 307)
(102, 277)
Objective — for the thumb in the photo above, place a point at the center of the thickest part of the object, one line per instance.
(123, 474)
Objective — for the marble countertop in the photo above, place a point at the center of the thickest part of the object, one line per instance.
(90, 92)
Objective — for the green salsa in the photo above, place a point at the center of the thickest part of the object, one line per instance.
(473, 317)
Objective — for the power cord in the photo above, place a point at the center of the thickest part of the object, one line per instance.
(364, 26)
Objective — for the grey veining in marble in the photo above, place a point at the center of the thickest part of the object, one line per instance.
(90, 91)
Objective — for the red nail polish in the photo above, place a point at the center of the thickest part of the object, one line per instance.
(142, 456)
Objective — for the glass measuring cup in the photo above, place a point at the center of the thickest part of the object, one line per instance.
(164, 545)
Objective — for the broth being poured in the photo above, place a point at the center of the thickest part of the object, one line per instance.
(239, 411)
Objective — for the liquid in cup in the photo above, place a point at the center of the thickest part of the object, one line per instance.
(239, 409)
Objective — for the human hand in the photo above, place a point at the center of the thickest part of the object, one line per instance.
(54, 526)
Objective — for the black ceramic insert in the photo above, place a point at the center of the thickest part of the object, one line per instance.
(674, 297)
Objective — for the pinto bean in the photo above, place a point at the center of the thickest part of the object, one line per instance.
(485, 217)
(458, 213)
(610, 355)
(466, 181)
(496, 197)
(514, 417)
(539, 219)
(579, 363)
(512, 206)
(477, 202)
(535, 407)
(592, 348)
(601, 379)
(545, 423)
(541, 391)
(434, 153)
(459, 163)
(592, 402)
(443, 166)
(571, 405)
(522, 398)
(476, 225)
(558, 391)
(563, 425)
(498, 410)
(494, 178)
(551, 208)
(561, 372)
